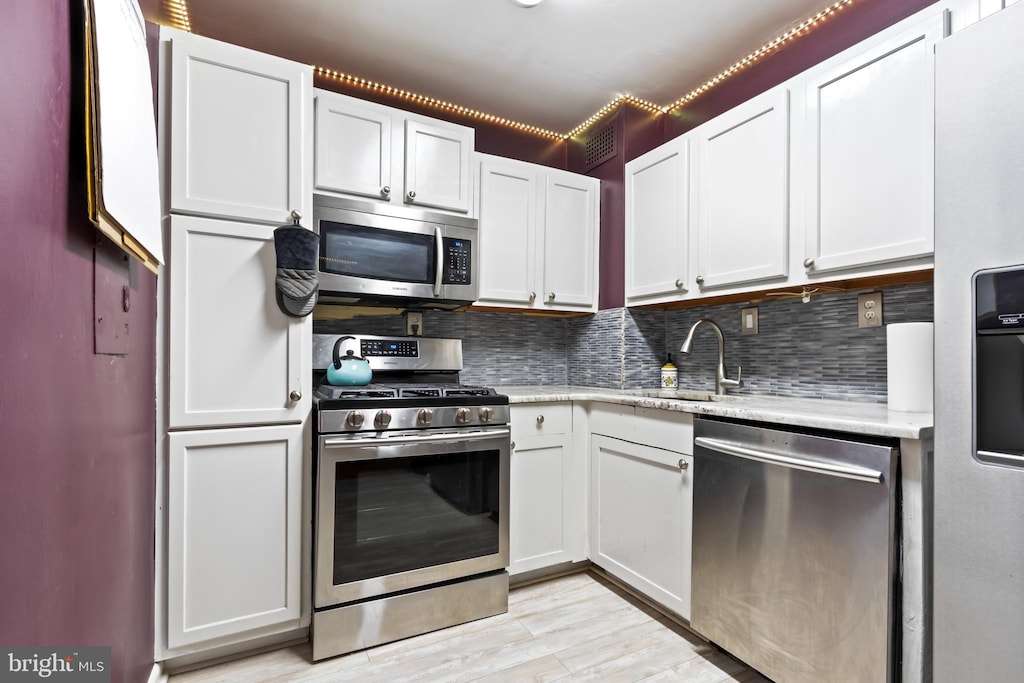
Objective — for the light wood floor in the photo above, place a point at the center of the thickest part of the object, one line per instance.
(574, 628)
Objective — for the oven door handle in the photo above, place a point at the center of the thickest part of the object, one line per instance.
(438, 260)
(416, 439)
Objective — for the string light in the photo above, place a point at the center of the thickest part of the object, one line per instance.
(434, 102)
(177, 10)
(760, 52)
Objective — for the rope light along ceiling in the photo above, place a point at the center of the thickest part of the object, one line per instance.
(177, 11)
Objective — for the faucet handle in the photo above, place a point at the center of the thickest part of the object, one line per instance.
(734, 383)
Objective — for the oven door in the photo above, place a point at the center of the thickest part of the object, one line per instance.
(409, 510)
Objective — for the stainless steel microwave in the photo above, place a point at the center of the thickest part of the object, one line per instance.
(384, 255)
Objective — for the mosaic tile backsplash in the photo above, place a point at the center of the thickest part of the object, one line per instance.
(812, 349)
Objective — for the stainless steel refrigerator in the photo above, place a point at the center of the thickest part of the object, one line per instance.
(978, 561)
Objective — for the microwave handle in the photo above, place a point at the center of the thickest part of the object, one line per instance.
(438, 260)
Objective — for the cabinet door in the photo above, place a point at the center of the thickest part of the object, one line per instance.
(437, 165)
(234, 357)
(542, 531)
(743, 204)
(508, 232)
(353, 148)
(641, 505)
(239, 140)
(869, 154)
(569, 246)
(658, 223)
(234, 526)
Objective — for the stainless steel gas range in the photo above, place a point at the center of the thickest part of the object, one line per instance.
(412, 496)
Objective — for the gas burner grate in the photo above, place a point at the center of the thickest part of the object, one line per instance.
(424, 392)
(469, 391)
(369, 391)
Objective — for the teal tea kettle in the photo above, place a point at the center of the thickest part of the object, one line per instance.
(348, 370)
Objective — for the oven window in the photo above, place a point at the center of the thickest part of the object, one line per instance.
(377, 254)
(400, 514)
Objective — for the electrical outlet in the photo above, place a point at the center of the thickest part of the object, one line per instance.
(414, 323)
(869, 309)
(748, 320)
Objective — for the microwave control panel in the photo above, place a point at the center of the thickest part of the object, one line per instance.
(458, 255)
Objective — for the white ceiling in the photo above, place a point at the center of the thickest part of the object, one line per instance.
(550, 66)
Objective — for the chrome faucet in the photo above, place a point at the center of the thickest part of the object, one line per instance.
(721, 381)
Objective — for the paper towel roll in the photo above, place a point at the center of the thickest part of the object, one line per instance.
(910, 366)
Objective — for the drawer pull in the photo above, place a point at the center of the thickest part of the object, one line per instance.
(540, 420)
(683, 464)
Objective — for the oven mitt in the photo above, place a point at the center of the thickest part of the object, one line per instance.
(296, 283)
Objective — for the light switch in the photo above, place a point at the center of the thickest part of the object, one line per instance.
(748, 320)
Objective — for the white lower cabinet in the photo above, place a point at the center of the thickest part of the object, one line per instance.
(548, 490)
(234, 530)
(640, 518)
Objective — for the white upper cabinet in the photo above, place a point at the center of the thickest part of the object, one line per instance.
(234, 357)
(571, 226)
(538, 236)
(508, 237)
(743, 202)
(353, 152)
(869, 142)
(238, 141)
(367, 150)
(658, 223)
(437, 165)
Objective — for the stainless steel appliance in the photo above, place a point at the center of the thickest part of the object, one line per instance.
(978, 558)
(412, 496)
(794, 551)
(372, 254)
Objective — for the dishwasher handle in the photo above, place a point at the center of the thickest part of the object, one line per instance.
(827, 468)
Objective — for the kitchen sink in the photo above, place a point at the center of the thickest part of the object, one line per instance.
(680, 395)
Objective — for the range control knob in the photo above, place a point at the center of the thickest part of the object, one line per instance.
(424, 417)
(382, 419)
(355, 419)
(486, 414)
(462, 416)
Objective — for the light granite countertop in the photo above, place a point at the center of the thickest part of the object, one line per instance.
(872, 419)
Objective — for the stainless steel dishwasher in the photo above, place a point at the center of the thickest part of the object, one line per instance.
(794, 551)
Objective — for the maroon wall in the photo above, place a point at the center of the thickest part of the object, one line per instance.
(77, 429)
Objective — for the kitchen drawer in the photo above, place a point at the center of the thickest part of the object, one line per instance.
(667, 429)
(614, 420)
(541, 419)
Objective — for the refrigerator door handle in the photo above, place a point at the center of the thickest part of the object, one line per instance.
(827, 468)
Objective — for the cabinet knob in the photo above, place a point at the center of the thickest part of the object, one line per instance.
(683, 464)
(385, 191)
(808, 263)
(700, 280)
(512, 445)
(551, 296)
(540, 420)
(679, 284)
(533, 297)
(296, 215)
(296, 395)
(411, 194)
